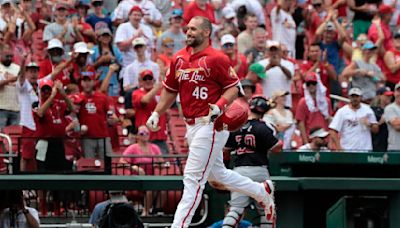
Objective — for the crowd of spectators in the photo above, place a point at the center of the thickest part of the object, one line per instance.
(65, 64)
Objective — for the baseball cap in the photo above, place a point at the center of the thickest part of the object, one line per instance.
(228, 12)
(396, 34)
(138, 41)
(227, 39)
(5, 2)
(318, 133)
(258, 69)
(362, 37)
(102, 28)
(146, 72)
(61, 6)
(32, 64)
(75, 98)
(82, 3)
(103, 31)
(384, 91)
(88, 74)
(46, 82)
(137, 9)
(167, 40)
(330, 26)
(55, 43)
(355, 91)
(311, 77)
(369, 45)
(81, 47)
(248, 83)
(397, 86)
(385, 9)
(177, 13)
(273, 43)
(279, 93)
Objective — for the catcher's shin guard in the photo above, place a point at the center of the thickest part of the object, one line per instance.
(233, 217)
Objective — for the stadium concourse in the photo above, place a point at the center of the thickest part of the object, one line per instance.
(79, 80)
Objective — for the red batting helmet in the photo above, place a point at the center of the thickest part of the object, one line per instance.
(232, 119)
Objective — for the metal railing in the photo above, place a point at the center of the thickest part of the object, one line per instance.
(8, 157)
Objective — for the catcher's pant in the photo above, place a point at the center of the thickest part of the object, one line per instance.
(240, 201)
(205, 163)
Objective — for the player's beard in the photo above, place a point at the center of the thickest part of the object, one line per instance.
(194, 41)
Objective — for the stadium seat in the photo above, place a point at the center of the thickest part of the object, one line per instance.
(14, 131)
(90, 164)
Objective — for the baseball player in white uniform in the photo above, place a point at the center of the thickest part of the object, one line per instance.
(206, 86)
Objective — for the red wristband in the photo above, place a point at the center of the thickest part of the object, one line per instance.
(222, 103)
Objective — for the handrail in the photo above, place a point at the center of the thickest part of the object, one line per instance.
(10, 153)
(147, 156)
(69, 225)
(339, 98)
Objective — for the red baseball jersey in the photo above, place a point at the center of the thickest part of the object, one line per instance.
(93, 114)
(200, 79)
(53, 123)
(323, 73)
(143, 112)
(46, 67)
(392, 77)
(193, 9)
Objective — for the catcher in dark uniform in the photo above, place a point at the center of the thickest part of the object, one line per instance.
(251, 144)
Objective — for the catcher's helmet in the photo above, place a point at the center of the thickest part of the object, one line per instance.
(232, 119)
(259, 105)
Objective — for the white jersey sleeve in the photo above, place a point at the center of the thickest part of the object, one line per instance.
(337, 121)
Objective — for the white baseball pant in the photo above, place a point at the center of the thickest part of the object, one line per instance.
(240, 201)
(204, 163)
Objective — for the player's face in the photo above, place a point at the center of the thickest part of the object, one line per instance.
(195, 35)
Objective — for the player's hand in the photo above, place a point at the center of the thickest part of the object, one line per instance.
(214, 112)
(152, 122)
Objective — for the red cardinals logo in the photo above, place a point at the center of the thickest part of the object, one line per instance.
(232, 73)
(203, 64)
(192, 74)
